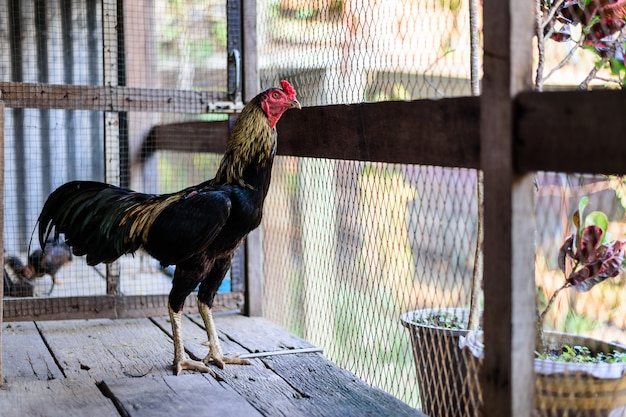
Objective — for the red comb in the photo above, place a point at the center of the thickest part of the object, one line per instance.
(287, 88)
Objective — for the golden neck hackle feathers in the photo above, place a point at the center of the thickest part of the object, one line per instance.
(250, 143)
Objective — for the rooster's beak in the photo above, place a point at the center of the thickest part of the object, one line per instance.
(296, 105)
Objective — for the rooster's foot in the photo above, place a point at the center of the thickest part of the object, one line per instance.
(221, 360)
(191, 365)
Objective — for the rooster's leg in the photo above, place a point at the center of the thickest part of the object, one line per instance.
(181, 361)
(54, 281)
(215, 349)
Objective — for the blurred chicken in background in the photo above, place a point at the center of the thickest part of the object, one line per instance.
(55, 254)
(14, 283)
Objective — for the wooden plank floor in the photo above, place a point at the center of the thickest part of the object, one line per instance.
(123, 368)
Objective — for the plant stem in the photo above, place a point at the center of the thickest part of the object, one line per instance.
(540, 46)
(540, 342)
(474, 48)
(477, 274)
(551, 301)
(565, 60)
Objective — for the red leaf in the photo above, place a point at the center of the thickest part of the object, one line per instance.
(566, 249)
(591, 238)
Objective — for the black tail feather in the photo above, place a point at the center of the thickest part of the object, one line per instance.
(89, 213)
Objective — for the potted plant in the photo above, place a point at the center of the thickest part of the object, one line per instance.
(575, 375)
(441, 369)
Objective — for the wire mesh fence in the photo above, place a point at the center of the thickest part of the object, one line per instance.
(351, 51)
(349, 246)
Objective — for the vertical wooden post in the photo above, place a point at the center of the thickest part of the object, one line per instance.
(509, 284)
(111, 119)
(234, 19)
(250, 82)
(140, 68)
(1, 225)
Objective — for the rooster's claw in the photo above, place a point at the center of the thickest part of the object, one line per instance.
(191, 365)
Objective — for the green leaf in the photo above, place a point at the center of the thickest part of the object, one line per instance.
(598, 218)
(579, 215)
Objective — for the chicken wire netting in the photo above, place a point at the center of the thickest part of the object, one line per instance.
(349, 246)
(157, 45)
(357, 50)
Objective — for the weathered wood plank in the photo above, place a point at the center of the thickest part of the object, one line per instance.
(112, 98)
(20, 309)
(261, 387)
(105, 306)
(102, 348)
(58, 397)
(238, 334)
(121, 352)
(322, 388)
(561, 132)
(183, 395)
(328, 389)
(25, 356)
(429, 132)
(332, 391)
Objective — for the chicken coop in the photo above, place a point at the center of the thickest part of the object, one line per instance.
(421, 201)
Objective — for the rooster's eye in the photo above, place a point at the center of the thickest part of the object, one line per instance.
(275, 95)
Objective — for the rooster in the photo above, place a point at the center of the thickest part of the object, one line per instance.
(197, 229)
(49, 260)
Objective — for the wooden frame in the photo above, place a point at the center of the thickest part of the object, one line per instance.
(507, 376)
(112, 98)
(442, 132)
(514, 137)
(105, 306)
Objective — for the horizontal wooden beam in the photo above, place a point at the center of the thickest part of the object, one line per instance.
(429, 132)
(105, 306)
(187, 137)
(115, 99)
(571, 131)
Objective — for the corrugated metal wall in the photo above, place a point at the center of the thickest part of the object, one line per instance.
(56, 42)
